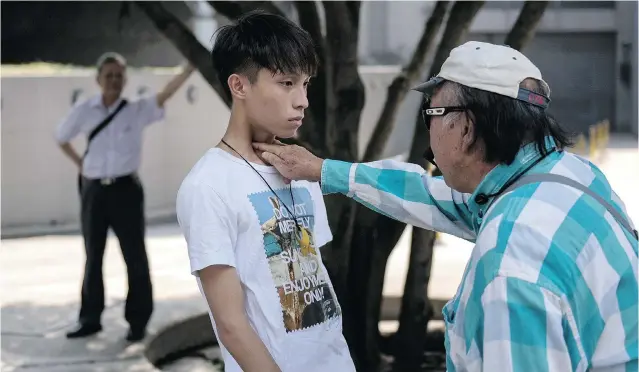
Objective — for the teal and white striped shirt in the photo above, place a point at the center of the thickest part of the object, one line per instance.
(552, 281)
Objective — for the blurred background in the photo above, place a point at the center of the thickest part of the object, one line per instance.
(586, 51)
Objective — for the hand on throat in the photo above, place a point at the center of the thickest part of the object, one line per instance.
(241, 141)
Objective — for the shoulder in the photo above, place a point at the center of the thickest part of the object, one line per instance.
(209, 174)
(85, 104)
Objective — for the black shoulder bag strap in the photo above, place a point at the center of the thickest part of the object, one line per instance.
(103, 124)
(549, 177)
(95, 132)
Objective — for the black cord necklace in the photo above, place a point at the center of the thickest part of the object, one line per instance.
(290, 187)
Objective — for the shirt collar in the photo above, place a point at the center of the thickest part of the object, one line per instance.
(500, 175)
(96, 101)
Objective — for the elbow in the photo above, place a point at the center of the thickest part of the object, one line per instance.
(230, 329)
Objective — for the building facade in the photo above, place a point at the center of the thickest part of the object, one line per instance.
(586, 50)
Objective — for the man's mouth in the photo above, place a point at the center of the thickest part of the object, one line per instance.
(296, 120)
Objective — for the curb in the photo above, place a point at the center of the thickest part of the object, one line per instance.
(196, 332)
(180, 337)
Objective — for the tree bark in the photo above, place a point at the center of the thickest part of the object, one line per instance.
(524, 28)
(416, 310)
(410, 316)
(459, 21)
(402, 82)
(182, 38)
(314, 129)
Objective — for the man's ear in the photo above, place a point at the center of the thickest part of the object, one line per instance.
(237, 85)
(467, 131)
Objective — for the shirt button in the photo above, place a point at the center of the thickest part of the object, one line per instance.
(481, 213)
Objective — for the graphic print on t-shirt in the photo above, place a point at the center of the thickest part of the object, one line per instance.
(300, 280)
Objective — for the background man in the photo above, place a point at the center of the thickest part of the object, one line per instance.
(110, 190)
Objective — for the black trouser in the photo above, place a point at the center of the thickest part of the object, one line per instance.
(120, 206)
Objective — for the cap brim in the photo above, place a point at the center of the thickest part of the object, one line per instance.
(428, 87)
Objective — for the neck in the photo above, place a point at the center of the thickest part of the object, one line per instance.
(240, 135)
(480, 172)
(108, 100)
(473, 175)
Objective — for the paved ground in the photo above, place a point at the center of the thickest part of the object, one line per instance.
(41, 281)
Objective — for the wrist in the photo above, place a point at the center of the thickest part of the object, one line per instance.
(316, 174)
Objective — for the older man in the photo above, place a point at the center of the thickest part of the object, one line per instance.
(110, 190)
(552, 281)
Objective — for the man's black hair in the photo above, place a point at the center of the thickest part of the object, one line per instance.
(262, 40)
(505, 124)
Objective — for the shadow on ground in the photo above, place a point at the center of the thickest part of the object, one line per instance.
(33, 337)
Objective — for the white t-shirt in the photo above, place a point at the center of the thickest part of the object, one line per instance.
(229, 216)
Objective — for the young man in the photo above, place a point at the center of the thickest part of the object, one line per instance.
(253, 240)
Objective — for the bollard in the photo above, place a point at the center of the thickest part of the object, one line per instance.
(580, 145)
(592, 141)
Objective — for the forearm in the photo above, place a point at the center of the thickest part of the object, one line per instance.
(173, 85)
(402, 191)
(70, 152)
(245, 346)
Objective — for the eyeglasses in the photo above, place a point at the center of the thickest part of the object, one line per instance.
(438, 111)
(427, 113)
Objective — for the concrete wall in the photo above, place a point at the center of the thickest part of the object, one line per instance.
(39, 184)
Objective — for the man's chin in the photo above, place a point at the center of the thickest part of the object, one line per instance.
(287, 134)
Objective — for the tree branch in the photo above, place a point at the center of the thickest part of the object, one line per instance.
(314, 126)
(402, 82)
(308, 15)
(345, 91)
(182, 38)
(461, 16)
(524, 29)
(234, 9)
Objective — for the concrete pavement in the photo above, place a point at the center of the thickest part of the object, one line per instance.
(41, 278)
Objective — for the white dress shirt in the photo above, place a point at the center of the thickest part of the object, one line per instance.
(116, 150)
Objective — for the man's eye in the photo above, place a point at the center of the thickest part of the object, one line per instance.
(287, 83)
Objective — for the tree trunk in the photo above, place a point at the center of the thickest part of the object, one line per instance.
(412, 312)
(524, 28)
(416, 309)
(184, 41)
(401, 84)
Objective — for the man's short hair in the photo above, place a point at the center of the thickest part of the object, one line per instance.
(262, 40)
(110, 57)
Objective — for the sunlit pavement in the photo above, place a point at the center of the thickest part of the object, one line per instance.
(41, 276)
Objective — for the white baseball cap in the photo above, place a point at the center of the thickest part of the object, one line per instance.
(490, 67)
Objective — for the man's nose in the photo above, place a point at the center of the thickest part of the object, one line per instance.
(300, 102)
